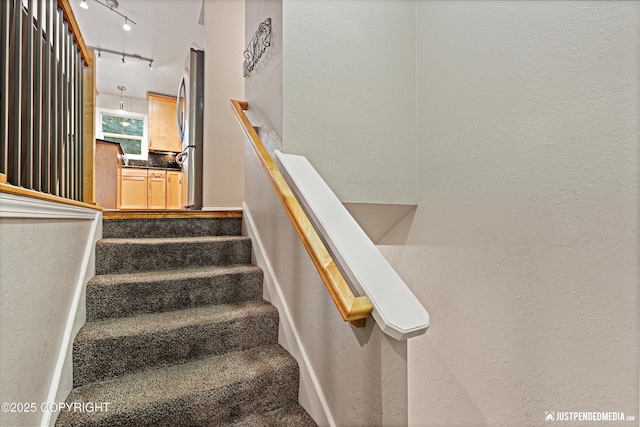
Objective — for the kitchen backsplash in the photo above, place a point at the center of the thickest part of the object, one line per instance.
(157, 160)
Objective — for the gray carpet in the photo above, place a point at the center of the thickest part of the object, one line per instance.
(177, 333)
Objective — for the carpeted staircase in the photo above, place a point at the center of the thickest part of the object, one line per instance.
(178, 334)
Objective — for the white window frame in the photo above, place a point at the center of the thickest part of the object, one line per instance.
(144, 146)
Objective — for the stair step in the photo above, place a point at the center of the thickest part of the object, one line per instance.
(114, 347)
(207, 392)
(130, 294)
(153, 254)
(171, 227)
(293, 415)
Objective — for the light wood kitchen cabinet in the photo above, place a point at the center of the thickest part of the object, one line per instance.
(163, 128)
(133, 189)
(156, 196)
(156, 189)
(175, 189)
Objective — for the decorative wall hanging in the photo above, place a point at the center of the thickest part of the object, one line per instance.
(258, 44)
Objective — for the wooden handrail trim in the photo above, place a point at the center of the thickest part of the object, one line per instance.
(352, 309)
(19, 191)
(67, 14)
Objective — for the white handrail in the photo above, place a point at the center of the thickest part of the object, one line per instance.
(397, 311)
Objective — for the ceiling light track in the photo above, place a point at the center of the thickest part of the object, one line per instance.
(112, 5)
(122, 55)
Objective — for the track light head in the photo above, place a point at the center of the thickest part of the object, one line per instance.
(112, 5)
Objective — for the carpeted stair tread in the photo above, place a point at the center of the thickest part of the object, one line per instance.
(123, 255)
(171, 227)
(212, 391)
(129, 294)
(178, 274)
(157, 322)
(114, 347)
(292, 415)
(170, 240)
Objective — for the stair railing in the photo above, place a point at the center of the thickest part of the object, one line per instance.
(342, 252)
(42, 62)
(353, 309)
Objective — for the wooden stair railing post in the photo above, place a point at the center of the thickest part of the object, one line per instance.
(89, 140)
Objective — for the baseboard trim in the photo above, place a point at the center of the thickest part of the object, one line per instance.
(57, 391)
(223, 208)
(311, 396)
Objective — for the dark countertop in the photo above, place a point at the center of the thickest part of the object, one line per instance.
(151, 167)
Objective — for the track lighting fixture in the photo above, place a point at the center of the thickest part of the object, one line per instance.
(84, 5)
(123, 56)
(126, 25)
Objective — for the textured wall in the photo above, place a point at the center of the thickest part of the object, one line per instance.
(349, 95)
(522, 153)
(223, 185)
(40, 264)
(263, 87)
(524, 246)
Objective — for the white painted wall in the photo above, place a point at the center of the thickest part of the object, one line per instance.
(41, 267)
(112, 102)
(223, 185)
(349, 95)
(263, 87)
(523, 158)
(524, 246)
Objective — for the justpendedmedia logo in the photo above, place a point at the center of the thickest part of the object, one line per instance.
(593, 416)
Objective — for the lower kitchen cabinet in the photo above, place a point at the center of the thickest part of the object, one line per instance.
(133, 189)
(157, 194)
(175, 189)
(151, 189)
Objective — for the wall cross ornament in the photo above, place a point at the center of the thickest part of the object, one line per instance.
(258, 44)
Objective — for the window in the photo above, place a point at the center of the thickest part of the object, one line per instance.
(129, 129)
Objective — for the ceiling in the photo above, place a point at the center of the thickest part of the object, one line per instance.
(164, 30)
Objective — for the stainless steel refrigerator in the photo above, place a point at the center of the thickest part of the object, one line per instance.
(189, 112)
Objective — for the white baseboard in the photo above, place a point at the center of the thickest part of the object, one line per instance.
(310, 395)
(221, 209)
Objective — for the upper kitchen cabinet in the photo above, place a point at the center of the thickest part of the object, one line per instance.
(163, 128)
